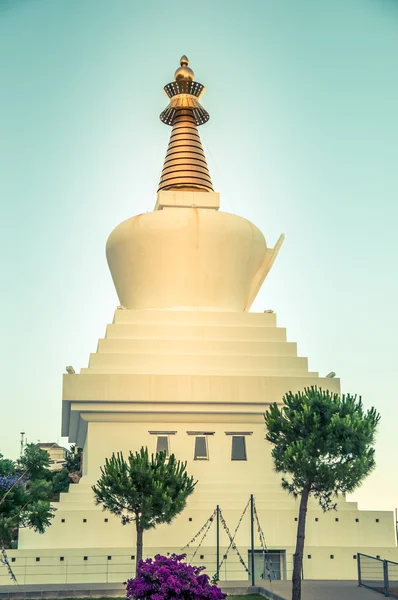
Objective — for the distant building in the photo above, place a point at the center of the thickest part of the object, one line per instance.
(56, 453)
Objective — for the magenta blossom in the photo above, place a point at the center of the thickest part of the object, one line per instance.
(170, 578)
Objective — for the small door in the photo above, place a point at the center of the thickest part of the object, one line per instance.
(266, 566)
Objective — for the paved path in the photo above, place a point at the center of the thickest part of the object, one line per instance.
(325, 590)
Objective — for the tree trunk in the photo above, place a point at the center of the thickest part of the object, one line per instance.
(140, 532)
(298, 555)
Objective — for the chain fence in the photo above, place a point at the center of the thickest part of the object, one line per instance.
(249, 562)
(117, 568)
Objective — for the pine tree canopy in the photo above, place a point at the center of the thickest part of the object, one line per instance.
(322, 442)
(147, 490)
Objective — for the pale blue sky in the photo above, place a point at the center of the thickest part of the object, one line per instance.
(303, 138)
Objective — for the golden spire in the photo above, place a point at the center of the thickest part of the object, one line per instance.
(185, 165)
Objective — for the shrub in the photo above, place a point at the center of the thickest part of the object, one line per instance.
(170, 578)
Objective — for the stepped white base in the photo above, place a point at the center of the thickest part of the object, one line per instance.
(185, 371)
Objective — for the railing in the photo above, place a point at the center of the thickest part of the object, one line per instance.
(377, 574)
(117, 568)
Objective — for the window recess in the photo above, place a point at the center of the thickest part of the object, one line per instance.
(162, 441)
(162, 444)
(201, 448)
(238, 447)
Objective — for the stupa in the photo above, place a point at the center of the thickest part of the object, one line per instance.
(185, 367)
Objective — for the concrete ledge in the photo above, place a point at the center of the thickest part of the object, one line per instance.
(82, 590)
(235, 591)
(197, 199)
(270, 595)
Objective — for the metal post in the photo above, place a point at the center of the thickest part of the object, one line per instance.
(218, 542)
(359, 570)
(252, 538)
(386, 583)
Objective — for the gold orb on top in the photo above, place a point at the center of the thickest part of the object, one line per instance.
(184, 73)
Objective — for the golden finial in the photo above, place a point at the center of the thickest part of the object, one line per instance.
(184, 73)
(185, 164)
(184, 93)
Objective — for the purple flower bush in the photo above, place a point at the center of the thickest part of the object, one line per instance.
(169, 578)
(7, 481)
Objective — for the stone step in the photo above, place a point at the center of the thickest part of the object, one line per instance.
(194, 363)
(195, 317)
(118, 370)
(176, 331)
(196, 347)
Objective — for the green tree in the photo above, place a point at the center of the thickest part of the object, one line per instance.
(34, 461)
(61, 479)
(323, 444)
(60, 483)
(148, 491)
(73, 459)
(25, 494)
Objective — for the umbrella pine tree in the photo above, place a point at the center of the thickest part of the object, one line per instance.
(322, 443)
(145, 490)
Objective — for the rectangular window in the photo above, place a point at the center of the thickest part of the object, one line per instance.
(238, 447)
(201, 448)
(162, 444)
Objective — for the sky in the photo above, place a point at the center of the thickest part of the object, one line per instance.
(302, 139)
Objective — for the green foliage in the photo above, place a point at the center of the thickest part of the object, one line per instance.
(7, 466)
(60, 482)
(39, 489)
(60, 479)
(35, 461)
(147, 490)
(323, 442)
(37, 515)
(25, 493)
(73, 459)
